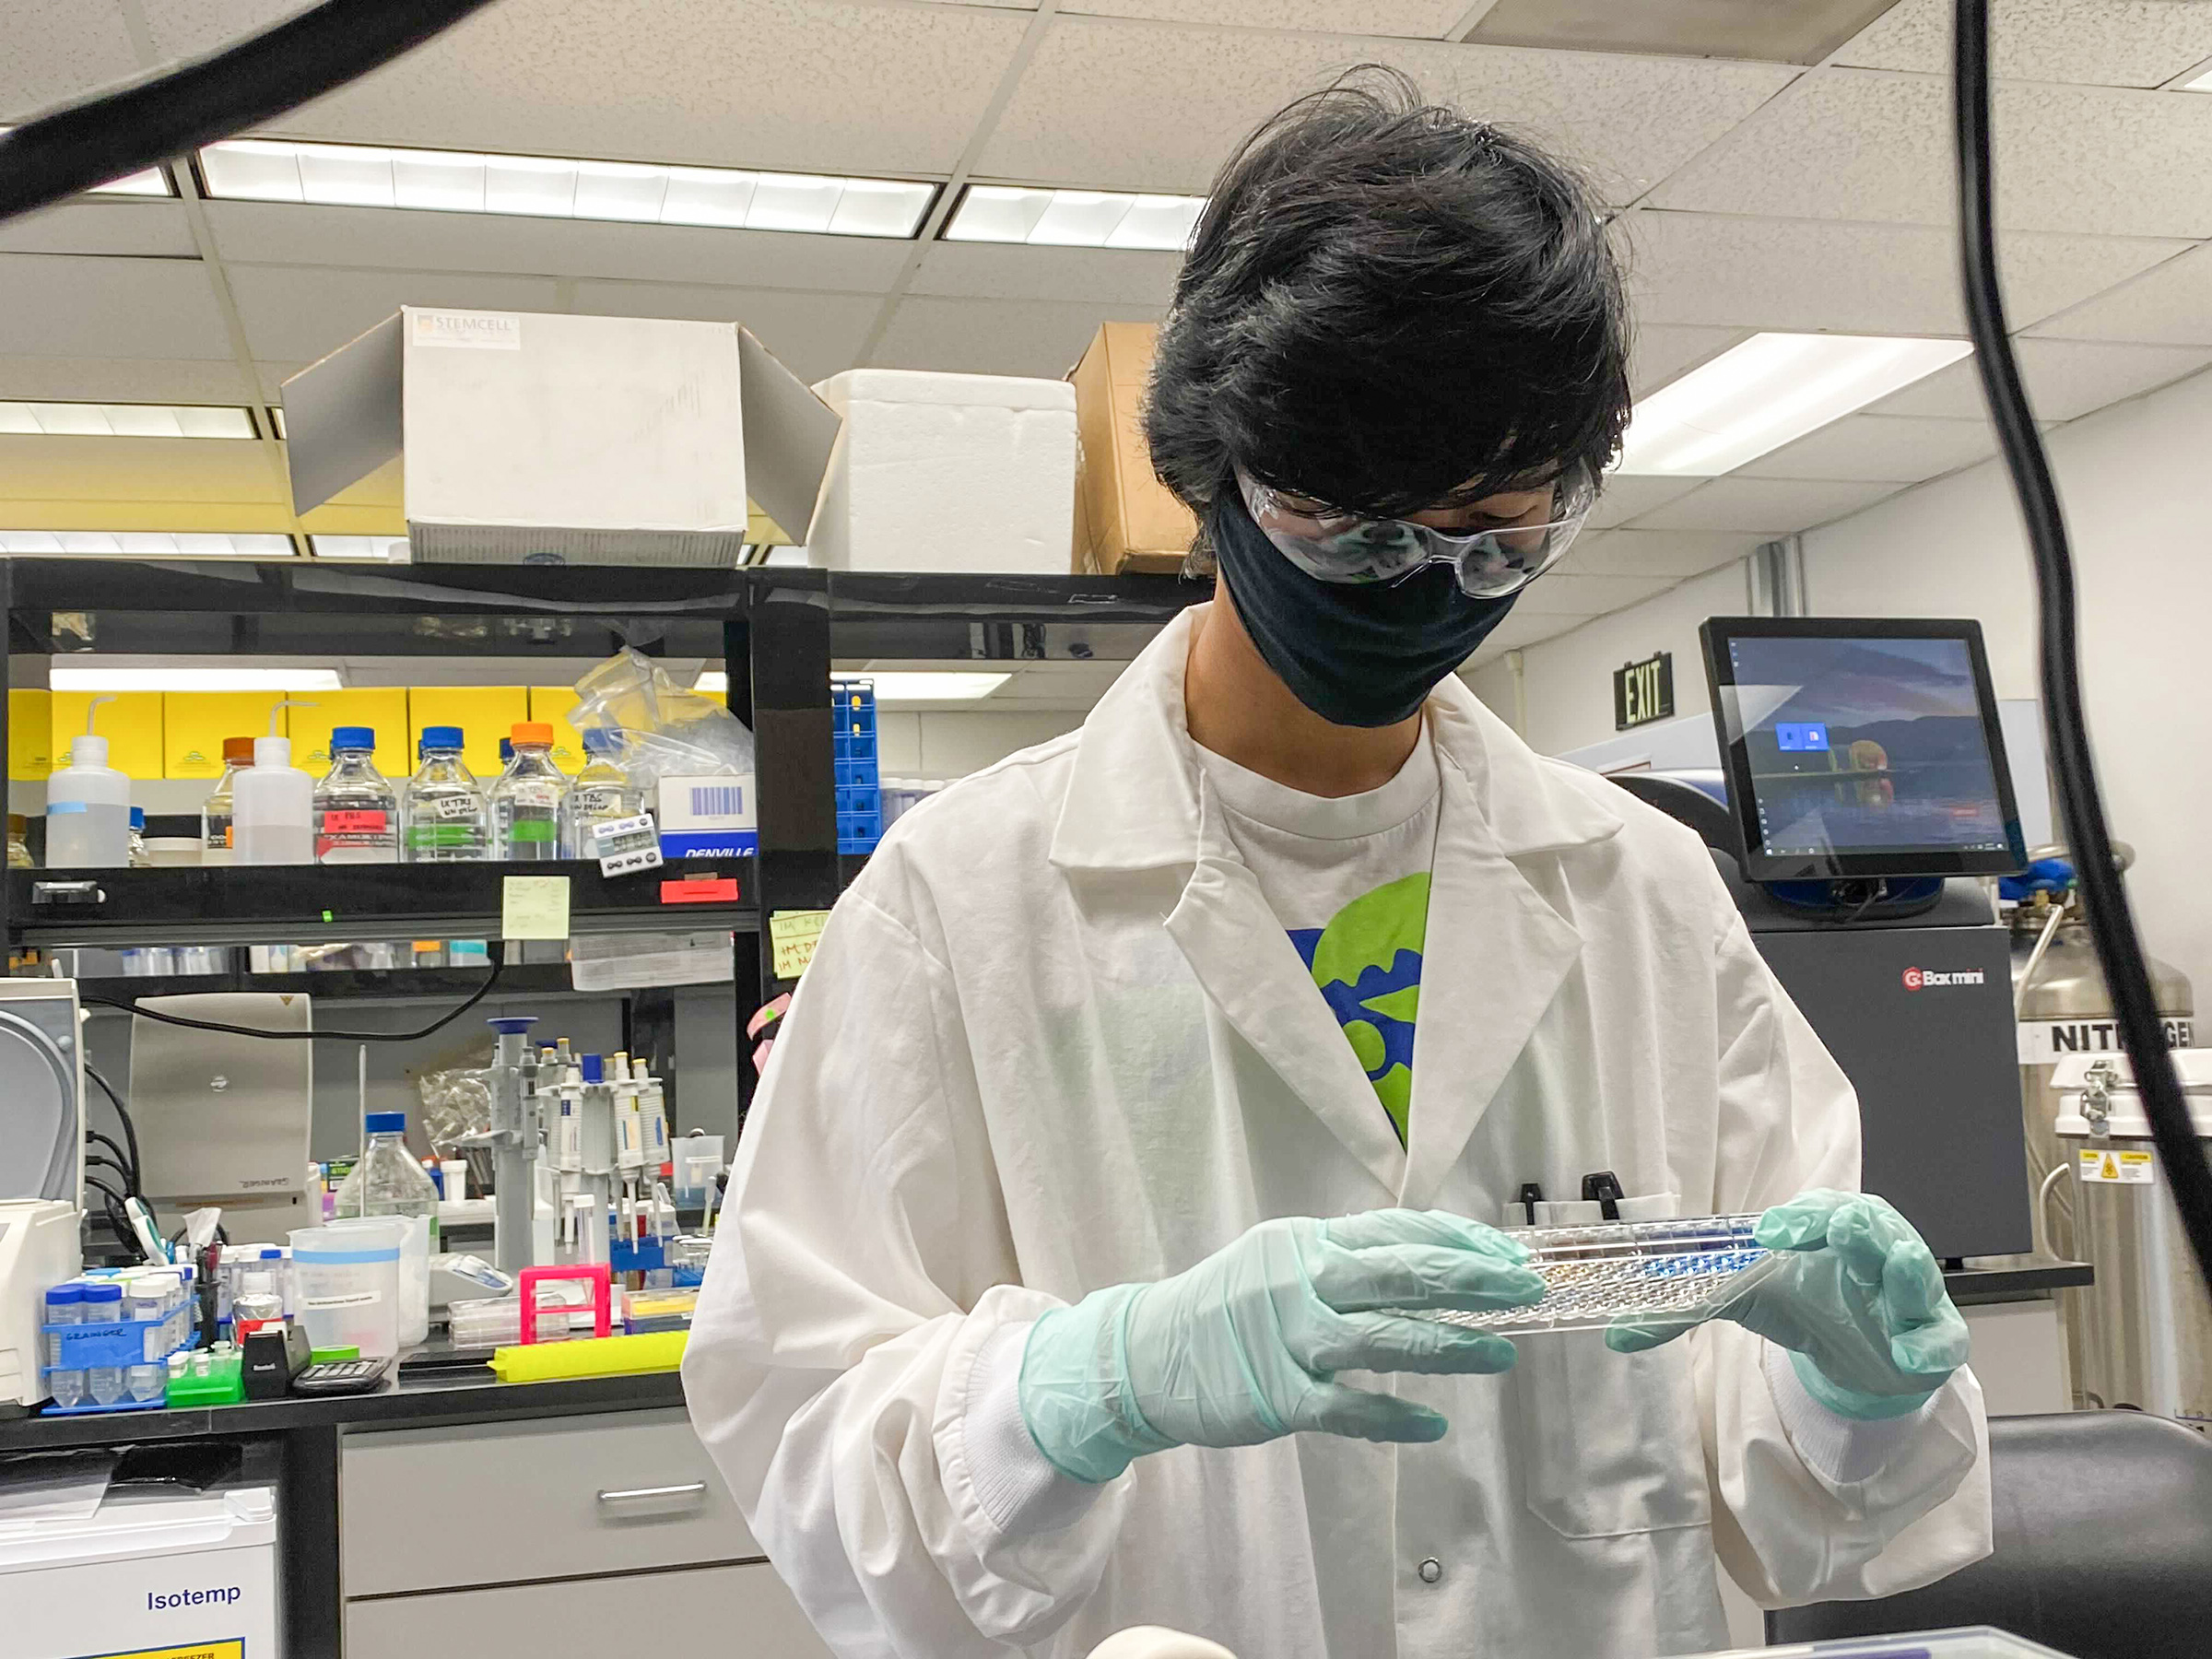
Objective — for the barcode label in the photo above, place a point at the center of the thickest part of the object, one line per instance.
(720, 801)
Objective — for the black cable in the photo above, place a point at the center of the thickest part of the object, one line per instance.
(99, 1161)
(2104, 900)
(175, 112)
(494, 949)
(113, 1145)
(122, 1113)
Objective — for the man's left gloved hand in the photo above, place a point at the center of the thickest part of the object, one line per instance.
(1856, 1297)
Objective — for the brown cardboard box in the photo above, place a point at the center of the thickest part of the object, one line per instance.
(1125, 518)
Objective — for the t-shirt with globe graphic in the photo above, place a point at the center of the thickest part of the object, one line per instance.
(1348, 880)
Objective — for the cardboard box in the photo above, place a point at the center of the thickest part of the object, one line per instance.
(708, 818)
(29, 735)
(562, 439)
(946, 472)
(381, 708)
(1131, 521)
(483, 713)
(552, 704)
(130, 721)
(195, 724)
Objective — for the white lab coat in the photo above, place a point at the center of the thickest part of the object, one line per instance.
(1053, 1040)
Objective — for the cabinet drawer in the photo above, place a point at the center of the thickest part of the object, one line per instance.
(491, 1503)
(730, 1612)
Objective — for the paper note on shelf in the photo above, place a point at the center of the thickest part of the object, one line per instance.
(791, 936)
(640, 960)
(534, 907)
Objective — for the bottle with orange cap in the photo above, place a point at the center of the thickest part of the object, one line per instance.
(216, 810)
(525, 802)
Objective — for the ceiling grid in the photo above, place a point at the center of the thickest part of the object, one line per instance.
(1774, 165)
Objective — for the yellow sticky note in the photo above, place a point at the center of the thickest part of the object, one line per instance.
(791, 936)
(534, 907)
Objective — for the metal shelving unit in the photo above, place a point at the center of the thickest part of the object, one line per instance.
(776, 630)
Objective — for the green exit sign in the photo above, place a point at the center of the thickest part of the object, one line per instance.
(1643, 691)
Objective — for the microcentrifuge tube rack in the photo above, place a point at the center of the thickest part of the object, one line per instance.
(1627, 1272)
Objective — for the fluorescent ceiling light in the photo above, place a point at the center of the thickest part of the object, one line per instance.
(127, 421)
(393, 549)
(277, 417)
(2201, 82)
(141, 544)
(196, 679)
(1771, 389)
(152, 181)
(932, 686)
(1074, 219)
(354, 175)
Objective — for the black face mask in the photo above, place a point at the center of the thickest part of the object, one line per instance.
(1356, 653)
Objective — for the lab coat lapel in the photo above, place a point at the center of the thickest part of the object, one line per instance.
(1248, 966)
(1494, 956)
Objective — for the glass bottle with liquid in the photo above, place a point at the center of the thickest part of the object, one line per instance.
(448, 820)
(219, 810)
(525, 802)
(356, 810)
(601, 793)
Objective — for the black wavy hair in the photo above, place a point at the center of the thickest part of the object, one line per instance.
(1387, 306)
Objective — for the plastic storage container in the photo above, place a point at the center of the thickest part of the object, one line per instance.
(356, 810)
(413, 1234)
(447, 818)
(602, 792)
(273, 809)
(87, 810)
(525, 802)
(346, 1287)
(388, 1181)
(216, 811)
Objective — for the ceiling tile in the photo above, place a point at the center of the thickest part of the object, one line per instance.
(1155, 106)
(123, 380)
(1675, 554)
(806, 85)
(1521, 629)
(1661, 353)
(2066, 379)
(63, 305)
(2168, 305)
(1802, 32)
(1035, 337)
(1625, 497)
(55, 51)
(300, 314)
(815, 335)
(291, 233)
(1416, 19)
(146, 229)
(1879, 449)
(2105, 42)
(134, 469)
(1867, 144)
(1584, 593)
(1721, 270)
(1765, 506)
(980, 271)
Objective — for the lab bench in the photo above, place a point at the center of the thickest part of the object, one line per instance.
(449, 1518)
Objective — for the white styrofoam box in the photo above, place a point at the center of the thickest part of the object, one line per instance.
(947, 472)
(562, 439)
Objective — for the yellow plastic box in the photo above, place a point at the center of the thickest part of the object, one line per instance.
(195, 724)
(131, 723)
(483, 713)
(383, 708)
(29, 735)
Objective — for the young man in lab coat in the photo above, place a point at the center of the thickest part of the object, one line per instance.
(1141, 1072)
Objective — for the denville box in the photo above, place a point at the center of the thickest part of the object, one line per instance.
(550, 438)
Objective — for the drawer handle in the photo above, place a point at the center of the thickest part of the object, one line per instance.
(690, 1488)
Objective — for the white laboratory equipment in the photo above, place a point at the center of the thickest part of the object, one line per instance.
(155, 1573)
(41, 1091)
(39, 1249)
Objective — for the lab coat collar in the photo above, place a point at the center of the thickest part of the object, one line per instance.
(1133, 800)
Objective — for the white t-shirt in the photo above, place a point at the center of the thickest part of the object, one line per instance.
(1348, 880)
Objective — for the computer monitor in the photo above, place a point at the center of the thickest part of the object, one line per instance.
(1858, 747)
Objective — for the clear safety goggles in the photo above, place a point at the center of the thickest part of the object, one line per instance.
(1336, 546)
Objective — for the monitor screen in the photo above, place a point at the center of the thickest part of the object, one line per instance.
(1860, 749)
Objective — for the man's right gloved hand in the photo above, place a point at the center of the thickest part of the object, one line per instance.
(1243, 1347)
